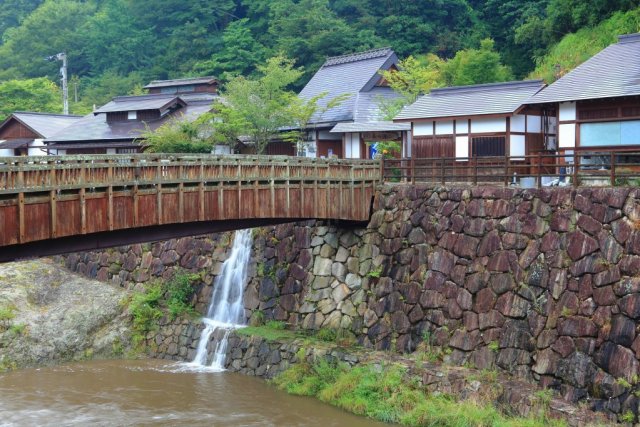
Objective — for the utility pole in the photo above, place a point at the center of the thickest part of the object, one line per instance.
(62, 56)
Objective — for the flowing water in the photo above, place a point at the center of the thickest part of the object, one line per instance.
(226, 310)
(150, 392)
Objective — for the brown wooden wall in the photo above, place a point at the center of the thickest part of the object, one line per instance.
(14, 129)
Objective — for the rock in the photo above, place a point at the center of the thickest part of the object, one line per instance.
(580, 245)
(512, 305)
(441, 261)
(340, 292)
(464, 340)
(491, 319)
(400, 322)
(464, 299)
(576, 326)
(466, 246)
(501, 283)
(564, 346)
(623, 330)
(618, 361)
(485, 301)
(322, 266)
(515, 334)
(546, 362)
(577, 370)
(489, 244)
(630, 305)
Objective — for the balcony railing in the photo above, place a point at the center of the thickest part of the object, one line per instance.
(580, 167)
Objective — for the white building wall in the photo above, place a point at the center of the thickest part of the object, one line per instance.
(534, 124)
(517, 146)
(444, 128)
(462, 146)
(423, 129)
(567, 111)
(489, 125)
(352, 145)
(6, 152)
(567, 135)
(36, 148)
(462, 126)
(518, 123)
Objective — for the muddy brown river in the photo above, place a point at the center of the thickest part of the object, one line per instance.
(151, 392)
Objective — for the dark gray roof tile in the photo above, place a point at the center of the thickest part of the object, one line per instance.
(347, 74)
(182, 82)
(492, 98)
(613, 72)
(45, 124)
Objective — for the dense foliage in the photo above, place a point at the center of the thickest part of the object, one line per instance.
(114, 46)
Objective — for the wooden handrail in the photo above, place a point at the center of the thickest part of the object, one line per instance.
(583, 167)
(44, 173)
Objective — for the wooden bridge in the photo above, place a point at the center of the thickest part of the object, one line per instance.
(51, 204)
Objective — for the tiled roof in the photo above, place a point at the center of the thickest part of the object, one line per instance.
(45, 124)
(613, 72)
(370, 127)
(95, 127)
(492, 98)
(181, 82)
(138, 103)
(351, 75)
(12, 144)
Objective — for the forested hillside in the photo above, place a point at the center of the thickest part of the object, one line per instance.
(115, 46)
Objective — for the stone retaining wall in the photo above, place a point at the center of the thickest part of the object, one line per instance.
(541, 283)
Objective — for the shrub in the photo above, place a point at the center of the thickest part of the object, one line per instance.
(180, 291)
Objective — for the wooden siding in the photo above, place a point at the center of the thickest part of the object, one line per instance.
(47, 198)
(429, 146)
(14, 130)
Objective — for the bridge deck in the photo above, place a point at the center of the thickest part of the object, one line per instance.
(48, 198)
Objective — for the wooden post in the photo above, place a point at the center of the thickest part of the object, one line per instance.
(539, 177)
(221, 198)
(159, 202)
(201, 215)
(83, 211)
(110, 218)
(53, 214)
(576, 165)
(612, 164)
(412, 163)
(21, 229)
(288, 201)
(136, 219)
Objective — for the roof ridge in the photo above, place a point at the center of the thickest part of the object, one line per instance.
(497, 85)
(39, 113)
(629, 38)
(358, 56)
(184, 79)
(145, 96)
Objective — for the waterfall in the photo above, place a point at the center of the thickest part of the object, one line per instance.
(226, 309)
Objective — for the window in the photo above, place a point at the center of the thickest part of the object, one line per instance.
(488, 146)
(132, 115)
(610, 133)
(126, 150)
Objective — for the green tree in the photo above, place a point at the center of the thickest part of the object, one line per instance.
(475, 66)
(101, 89)
(239, 55)
(48, 30)
(39, 94)
(257, 108)
(13, 12)
(178, 135)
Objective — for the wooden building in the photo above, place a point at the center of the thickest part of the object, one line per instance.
(597, 105)
(479, 121)
(116, 127)
(344, 130)
(22, 133)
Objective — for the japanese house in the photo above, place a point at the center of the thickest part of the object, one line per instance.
(117, 126)
(22, 133)
(472, 122)
(597, 105)
(345, 130)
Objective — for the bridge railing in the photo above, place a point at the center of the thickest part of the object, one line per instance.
(45, 173)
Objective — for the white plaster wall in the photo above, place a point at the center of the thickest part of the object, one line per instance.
(517, 146)
(352, 145)
(489, 125)
(462, 126)
(462, 146)
(567, 111)
(36, 148)
(113, 150)
(423, 129)
(567, 135)
(534, 124)
(444, 128)
(518, 123)
(6, 152)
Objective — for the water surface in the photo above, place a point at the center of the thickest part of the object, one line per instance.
(152, 392)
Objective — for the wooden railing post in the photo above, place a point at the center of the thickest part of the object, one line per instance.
(539, 177)
(612, 164)
(576, 165)
(442, 162)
